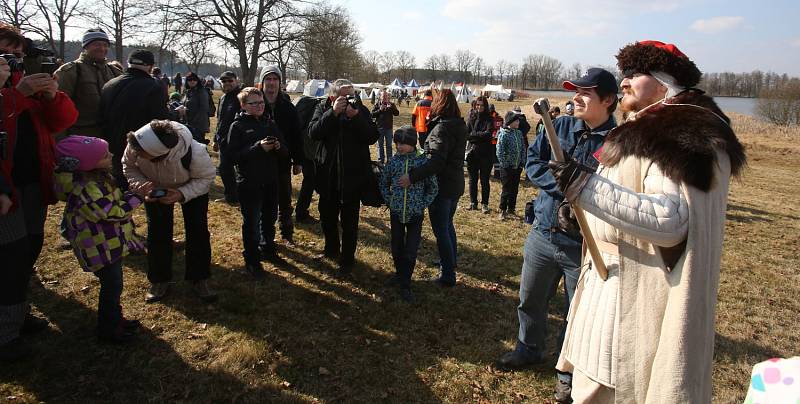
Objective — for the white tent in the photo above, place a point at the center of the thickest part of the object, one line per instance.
(491, 88)
(464, 95)
(413, 87)
(396, 85)
(363, 95)
(316, 88)
(294, 86)
(217, 83)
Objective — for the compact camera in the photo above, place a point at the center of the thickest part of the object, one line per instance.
(158, 193)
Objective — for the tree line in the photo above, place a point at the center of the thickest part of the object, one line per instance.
(305, 38)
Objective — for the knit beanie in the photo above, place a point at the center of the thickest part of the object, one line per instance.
(510, 117)
(80, 153)
(94, 34)
(271, 70)
(405, 135)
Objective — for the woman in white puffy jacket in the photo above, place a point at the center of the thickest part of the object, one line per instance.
(163, 163)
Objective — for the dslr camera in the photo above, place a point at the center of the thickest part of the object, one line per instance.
(354, 101)
(14, 64)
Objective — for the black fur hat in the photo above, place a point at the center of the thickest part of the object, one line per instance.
(652, 56)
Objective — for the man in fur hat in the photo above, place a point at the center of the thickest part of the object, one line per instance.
(656, 206)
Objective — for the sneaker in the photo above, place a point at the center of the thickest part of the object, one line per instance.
(288, 242)
(178, 244)
(157, 292)
(473, 206)
(484, 208)
(563, 392)
(255, 270)
(33, 324)
(200, 288)
(520, 358)
(14, 350)
(503, 215)
(406, 295)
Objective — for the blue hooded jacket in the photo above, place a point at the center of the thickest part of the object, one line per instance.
(407, 203)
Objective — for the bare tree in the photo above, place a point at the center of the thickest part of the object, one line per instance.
(54, 17)
(284, 36)
(501, 67)
(512, 69)
(445, 65)
(388, 63)
(463, 63)
(372, 63)
(575, 71)
(195, 49)
(239, 24)
(477, 70)
(329, 45)
(18, 13)
(431, 64)
(167, 30)
(406, 62)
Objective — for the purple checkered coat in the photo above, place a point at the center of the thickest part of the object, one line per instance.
(97, 219)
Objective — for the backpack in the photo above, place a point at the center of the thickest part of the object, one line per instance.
(305, 111)
(371, 194)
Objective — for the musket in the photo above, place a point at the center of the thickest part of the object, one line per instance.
(542, 107)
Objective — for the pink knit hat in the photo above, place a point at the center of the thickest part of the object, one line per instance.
(80, 153)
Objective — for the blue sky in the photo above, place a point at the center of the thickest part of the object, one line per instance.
(735, 36)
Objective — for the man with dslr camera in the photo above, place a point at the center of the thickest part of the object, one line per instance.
(343, 125)
(31, 110)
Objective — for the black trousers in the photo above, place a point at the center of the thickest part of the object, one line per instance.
(306, 189)
(332, 213)
(159, 240)
(16, 272)
(228, 175)
(285, 201)
(405, 244)
(259, 206)
(509, 177)
(479, 169)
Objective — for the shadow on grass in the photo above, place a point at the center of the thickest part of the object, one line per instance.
(745, 214)
(741, 350)
(69, 365)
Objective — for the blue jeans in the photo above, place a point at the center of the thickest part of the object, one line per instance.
(384, 140)
(405, 244)
(259, 206)
(441, 213)
(109, 311)
(543, 265)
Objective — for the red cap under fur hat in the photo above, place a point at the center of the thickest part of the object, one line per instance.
(652, 56)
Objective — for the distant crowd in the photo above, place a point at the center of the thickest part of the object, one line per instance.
(653, 190)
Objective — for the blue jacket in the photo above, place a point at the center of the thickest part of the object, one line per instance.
(578, 141)
(407, 203)
(510, 148)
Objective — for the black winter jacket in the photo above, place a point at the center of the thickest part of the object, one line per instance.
(385, 119)
(444, 146)
(346, 142)
(254, 166)
(285, 115)
(479, 135)
(229, 106)
(127, 102)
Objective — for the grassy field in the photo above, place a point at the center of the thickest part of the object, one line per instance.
(307, 335)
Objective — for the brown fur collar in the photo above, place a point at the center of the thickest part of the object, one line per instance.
(681, 139)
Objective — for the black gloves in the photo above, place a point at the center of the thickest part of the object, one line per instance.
(571, 177)
(567, 221)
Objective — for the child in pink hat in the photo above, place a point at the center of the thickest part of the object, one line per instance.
(97, 223)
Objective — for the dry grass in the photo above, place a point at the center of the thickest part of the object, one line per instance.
(306, 335)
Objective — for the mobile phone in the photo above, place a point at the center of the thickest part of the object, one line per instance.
(48, 67)
(158, 193)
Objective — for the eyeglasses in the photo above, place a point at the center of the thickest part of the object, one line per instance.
(255, 103)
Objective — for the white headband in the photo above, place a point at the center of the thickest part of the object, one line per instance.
(673, 88)
(149, 141)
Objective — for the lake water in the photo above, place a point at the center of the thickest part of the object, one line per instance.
(745, 106)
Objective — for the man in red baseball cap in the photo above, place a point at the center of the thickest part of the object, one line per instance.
(656, 207)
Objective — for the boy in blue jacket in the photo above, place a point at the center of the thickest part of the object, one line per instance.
(406, 206)
(511, 156)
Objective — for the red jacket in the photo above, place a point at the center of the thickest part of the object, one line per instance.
(49, 118)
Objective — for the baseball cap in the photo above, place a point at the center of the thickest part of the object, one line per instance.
(594, 78)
